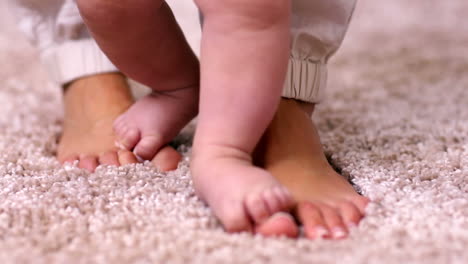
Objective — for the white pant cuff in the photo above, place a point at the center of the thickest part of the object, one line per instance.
(305, 80)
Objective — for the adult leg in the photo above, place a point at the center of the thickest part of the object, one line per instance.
(244, 55)
(144, 40)
(291, 148)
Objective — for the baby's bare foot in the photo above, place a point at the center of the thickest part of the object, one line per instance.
(154, 121)
(91, 106)
(242, 196)
(291, 150)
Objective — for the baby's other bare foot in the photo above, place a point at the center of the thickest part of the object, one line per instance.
(328, 206)
(153, 121)
(91, 106)
(241, 195)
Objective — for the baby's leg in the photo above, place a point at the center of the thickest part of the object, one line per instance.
(243, 61)
(143, 39)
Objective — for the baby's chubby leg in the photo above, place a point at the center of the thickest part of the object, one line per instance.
(245, 48)
(144, 40)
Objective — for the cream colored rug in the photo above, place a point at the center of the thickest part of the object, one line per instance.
(395, 122)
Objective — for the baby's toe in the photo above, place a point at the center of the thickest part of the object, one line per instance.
(276, 200)
(127, 137)
(311, 217)
(148, 146)
(257, 207)
(120, 121)
(234, 219)
(285, 196)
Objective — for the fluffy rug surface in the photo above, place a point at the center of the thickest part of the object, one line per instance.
(395, 122)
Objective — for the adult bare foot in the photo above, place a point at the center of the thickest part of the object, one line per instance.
(291, 150)
(91, 106)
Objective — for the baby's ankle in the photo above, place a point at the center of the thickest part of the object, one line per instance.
(219, 151)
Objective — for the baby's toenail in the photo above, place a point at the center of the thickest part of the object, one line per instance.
(351, 225)
(339, 232)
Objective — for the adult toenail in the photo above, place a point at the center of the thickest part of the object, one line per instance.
(338, 232)
(139, 159)
(321, 232)
(119, 145)
(71, 163)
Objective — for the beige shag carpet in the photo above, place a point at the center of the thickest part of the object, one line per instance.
(395, 122)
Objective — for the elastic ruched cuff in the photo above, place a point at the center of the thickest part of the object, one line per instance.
(305, 80)
(72, 60)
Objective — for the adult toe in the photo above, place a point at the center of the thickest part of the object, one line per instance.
(350, 213)
(69, 159)
(334, 221)
(310, 215)
(109, 158)
(279, 224)
(361, 202)
(126, 157)
(167, 159)
(89, 163)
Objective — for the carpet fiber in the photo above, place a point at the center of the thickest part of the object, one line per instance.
(395, 122)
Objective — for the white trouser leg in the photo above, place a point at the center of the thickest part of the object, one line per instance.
(318, 29)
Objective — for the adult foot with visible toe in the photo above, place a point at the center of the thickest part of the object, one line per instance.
(91, 106)
(327, 204)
